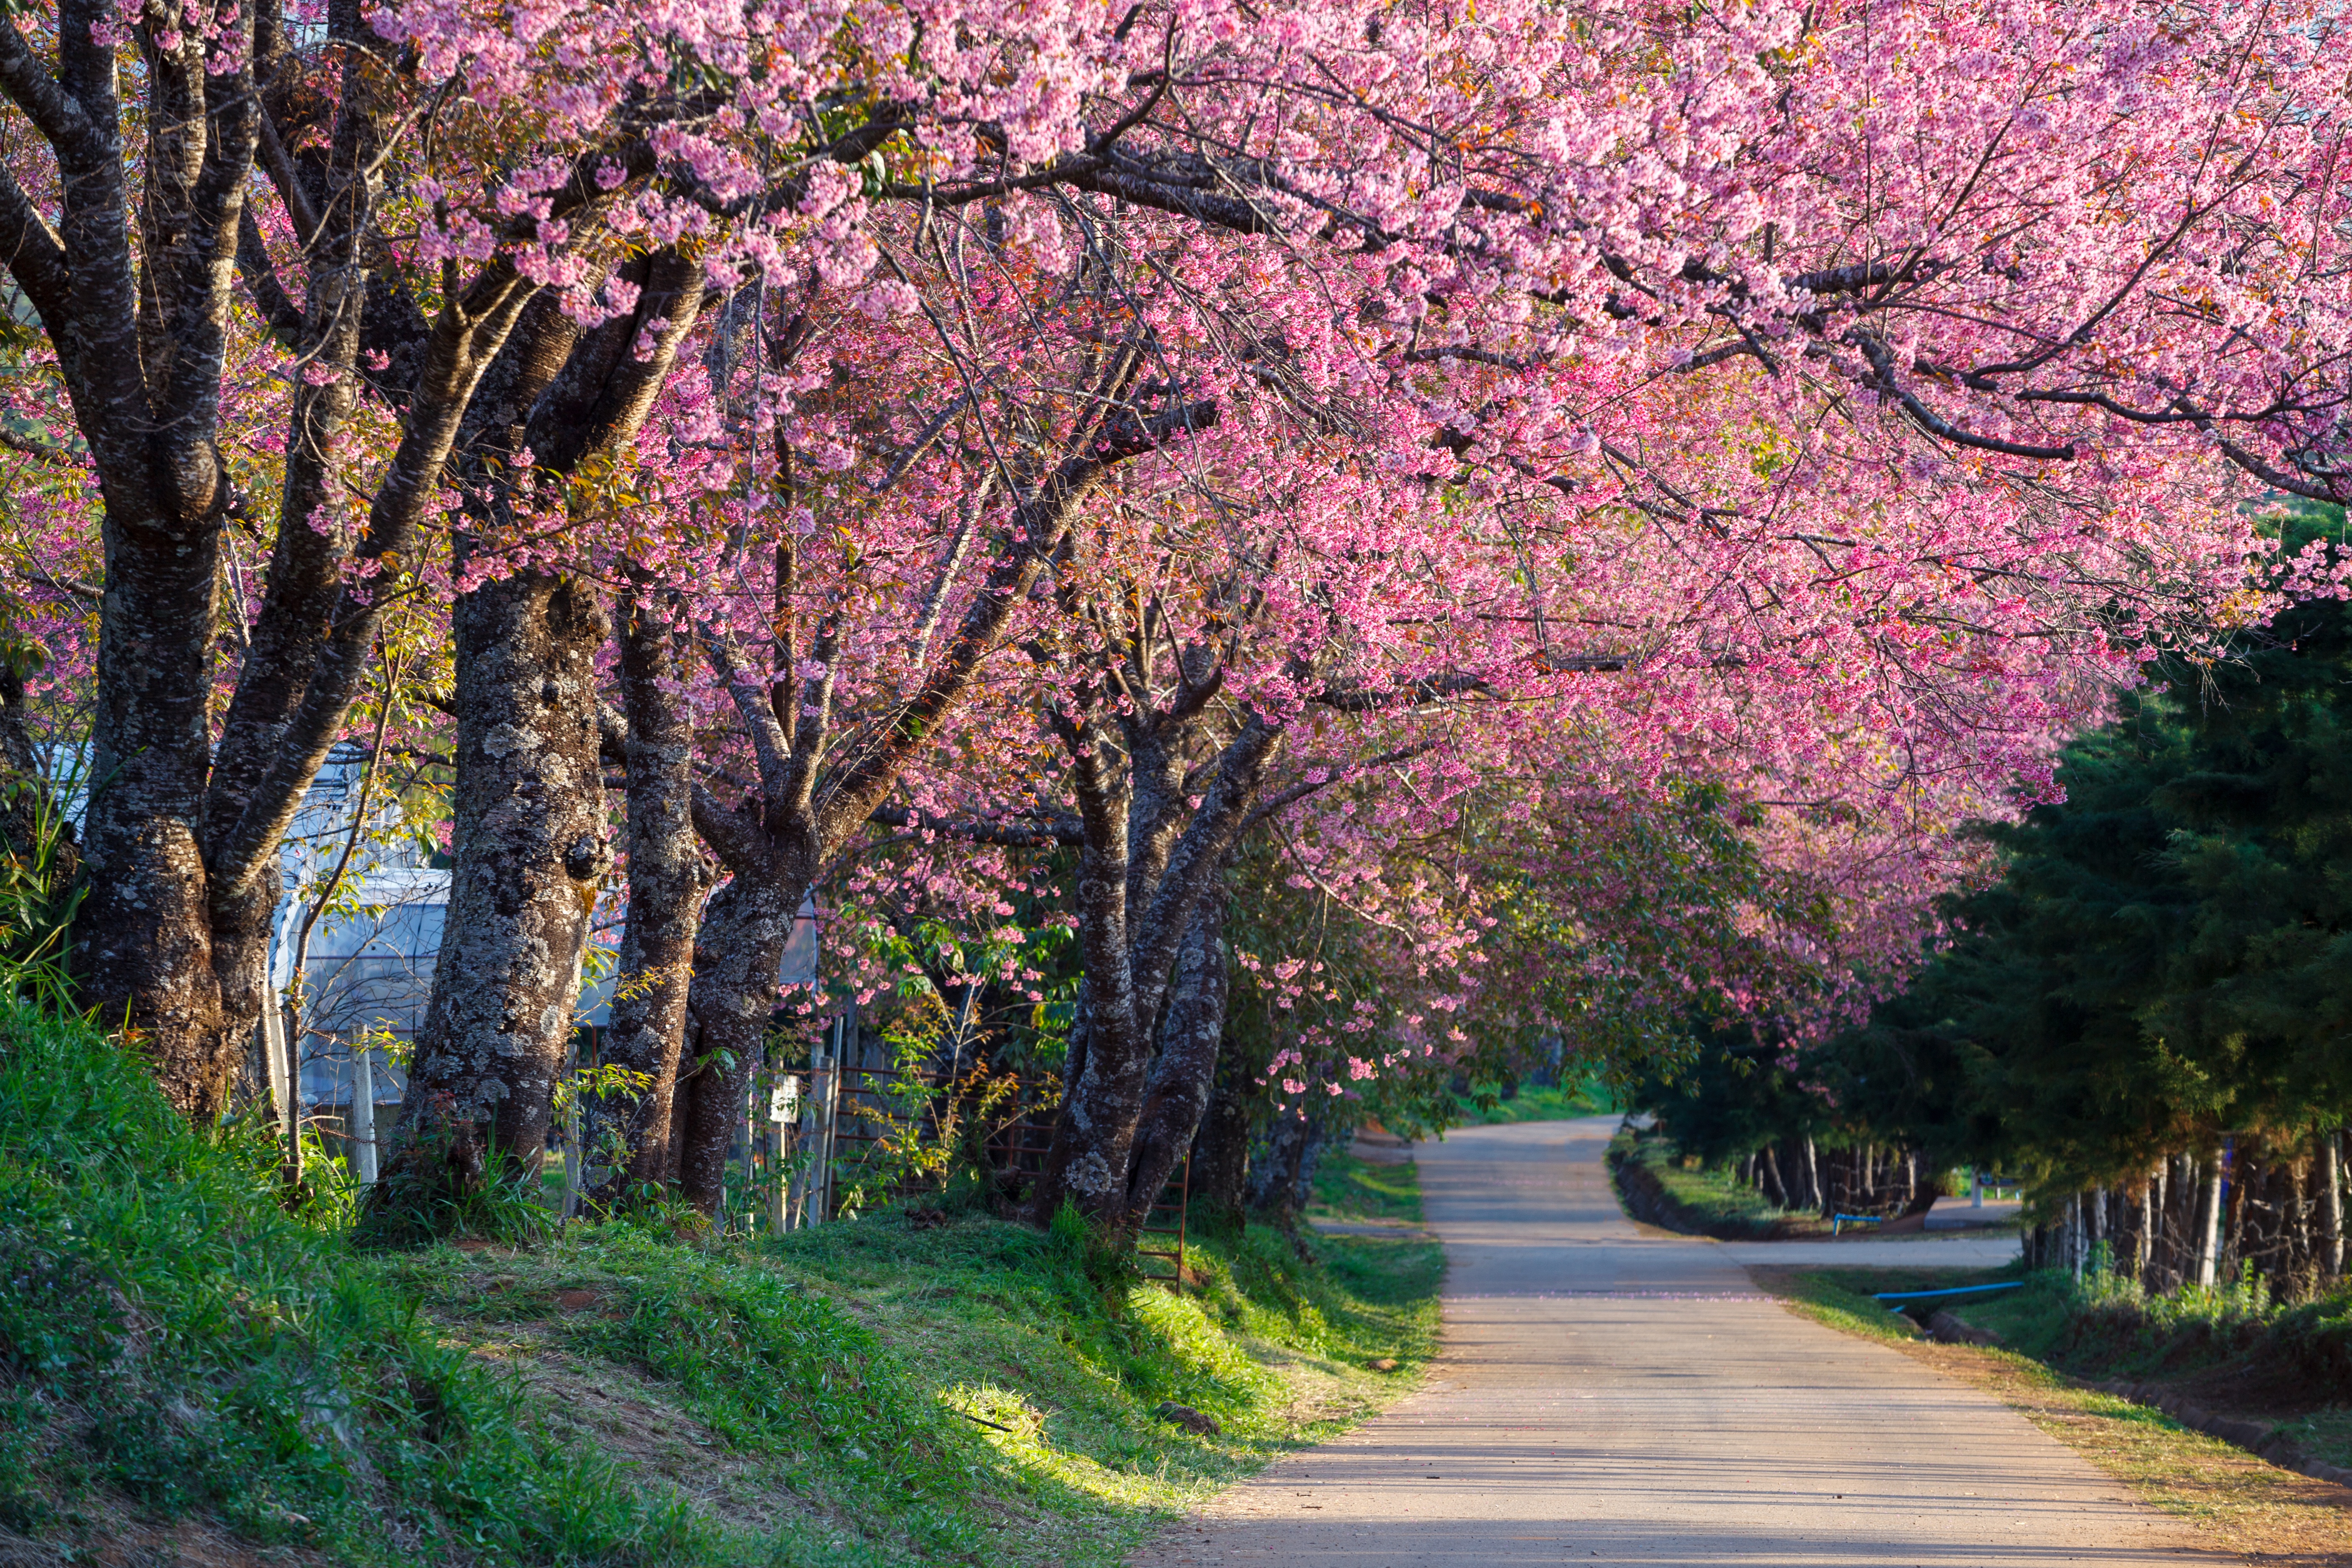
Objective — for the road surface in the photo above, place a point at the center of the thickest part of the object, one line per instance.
(1610, 1394)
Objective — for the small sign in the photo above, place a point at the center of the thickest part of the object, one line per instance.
(785, 1099)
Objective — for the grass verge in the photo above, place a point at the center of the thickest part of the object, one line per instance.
(183, 1362)
(2243, 1506)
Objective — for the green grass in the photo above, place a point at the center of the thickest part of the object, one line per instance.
(2036, 1321)
(1347, 1188)
(1835, 1297)
(1485, 1107)
(2099, 1326)
(2322, 1433)
(851, 1367)
(174, 1345)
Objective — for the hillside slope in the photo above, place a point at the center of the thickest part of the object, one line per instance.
(187, 1366)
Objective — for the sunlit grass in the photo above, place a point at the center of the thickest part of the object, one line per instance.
(176, 1344)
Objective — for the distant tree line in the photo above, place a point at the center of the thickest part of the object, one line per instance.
(2146, 1019)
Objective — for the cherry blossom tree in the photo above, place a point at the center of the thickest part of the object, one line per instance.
(1885, 360)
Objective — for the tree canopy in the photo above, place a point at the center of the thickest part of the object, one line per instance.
(1608, 490)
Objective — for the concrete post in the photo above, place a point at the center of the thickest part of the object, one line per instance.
(365, 1157)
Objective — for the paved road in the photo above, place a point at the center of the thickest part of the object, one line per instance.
(1611, 1396)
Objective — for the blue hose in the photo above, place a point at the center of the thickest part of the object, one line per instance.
(1955, 1290)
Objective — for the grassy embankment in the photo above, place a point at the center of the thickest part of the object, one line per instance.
(1712, 1201)
(1687, 1196)
(2057, 1331)
(186, 1368)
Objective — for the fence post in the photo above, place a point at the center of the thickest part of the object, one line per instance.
(363, 1150)
(752, 1141)
(285, 1087)
(796, 1205)
(572, 1184)
(828, 1125)
(1183, 1212)
(816, 1183)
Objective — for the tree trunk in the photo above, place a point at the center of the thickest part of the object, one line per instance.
(1129, 954)
(1096, 1131)
(656, 963)
(529, 840)
(528, 799)
(2239, 1172)
(1269, 1184)
(146, 953)
(2331, 1205)
(682, 1098)
(1281, 1186)
(184, 845)
(2206, 1234)
(1918, 1196)
(1183, 1078)
(2181, 1220)
(733, 996)
(1776, 1192)
(2302, 1251)
(1221, 1151)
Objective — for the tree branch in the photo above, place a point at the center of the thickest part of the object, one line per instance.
(1883, 362)
(1060, 831)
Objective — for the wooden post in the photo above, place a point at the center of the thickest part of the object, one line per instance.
(569, 1135)
(1183, 1212)
(273, 1055)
